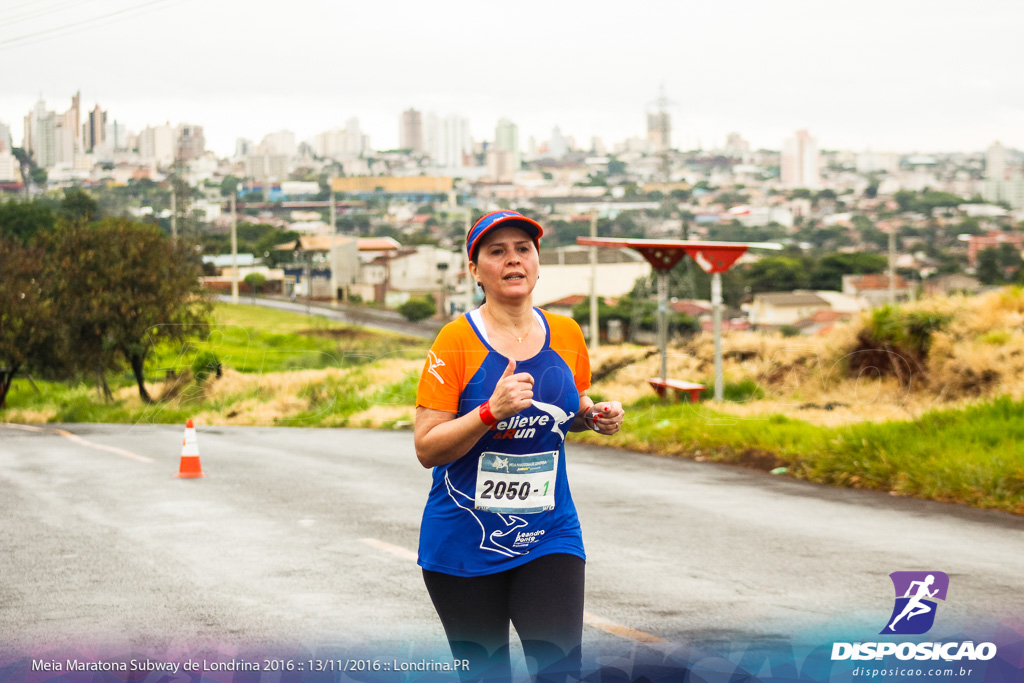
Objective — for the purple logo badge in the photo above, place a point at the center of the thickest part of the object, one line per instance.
(916, 593)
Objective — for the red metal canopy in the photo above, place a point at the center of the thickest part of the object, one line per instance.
(713, 257)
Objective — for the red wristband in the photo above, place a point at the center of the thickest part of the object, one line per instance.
(486, 416)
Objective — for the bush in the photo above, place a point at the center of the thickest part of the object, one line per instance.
(896, 342)
(256, 281)
(205, 364)
(415, 310)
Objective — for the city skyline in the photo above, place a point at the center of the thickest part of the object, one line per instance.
(905, 77)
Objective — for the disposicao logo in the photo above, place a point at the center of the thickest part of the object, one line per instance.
(913, 614)
(916, 592)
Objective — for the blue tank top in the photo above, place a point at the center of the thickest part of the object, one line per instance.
(507, 500)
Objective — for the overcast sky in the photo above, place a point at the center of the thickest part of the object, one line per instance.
(889, 75)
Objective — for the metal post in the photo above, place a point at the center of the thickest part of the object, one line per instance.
(716, 306)
(663, 321)
(595, 330)
(234, 251)
(174, 210)
(334, 215)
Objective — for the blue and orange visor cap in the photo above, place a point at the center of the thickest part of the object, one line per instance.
(502, 219)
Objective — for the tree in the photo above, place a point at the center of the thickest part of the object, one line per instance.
(25, 313)
(777, 274)
(121, 287)
(255, 282)
(22, 221)
(415, 310)
(230, 185)
(998, 265)
(78, 205)
(988, 269)
(828, 272)
(616, 167)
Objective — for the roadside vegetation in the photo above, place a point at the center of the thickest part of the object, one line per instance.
(923, 400)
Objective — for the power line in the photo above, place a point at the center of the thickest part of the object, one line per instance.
(78, 26)
(42, 11)
(33, 4)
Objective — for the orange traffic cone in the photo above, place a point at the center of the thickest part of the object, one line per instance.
(190, 466)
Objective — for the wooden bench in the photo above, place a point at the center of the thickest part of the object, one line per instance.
(680, 387)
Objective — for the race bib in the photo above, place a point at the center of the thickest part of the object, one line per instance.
(521, 484)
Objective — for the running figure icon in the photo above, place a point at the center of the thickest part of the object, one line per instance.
(918, 594)
(915, 606)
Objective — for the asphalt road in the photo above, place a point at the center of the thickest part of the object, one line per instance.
(306, 538)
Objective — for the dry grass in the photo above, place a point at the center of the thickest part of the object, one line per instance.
(378, 416)
(979, 355)
(295, 397)
(31, 416)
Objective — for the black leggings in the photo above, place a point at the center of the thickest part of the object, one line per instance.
(543, 599)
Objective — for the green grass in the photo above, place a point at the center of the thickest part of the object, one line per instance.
(253, 339)
(242, 338)
(973, 456)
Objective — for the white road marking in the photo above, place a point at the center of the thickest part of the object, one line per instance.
(79, 440)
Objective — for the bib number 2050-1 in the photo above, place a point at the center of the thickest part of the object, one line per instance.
(521, 484)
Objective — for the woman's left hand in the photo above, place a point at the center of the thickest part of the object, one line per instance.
(607, 417)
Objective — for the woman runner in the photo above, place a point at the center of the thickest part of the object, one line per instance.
(500, 540)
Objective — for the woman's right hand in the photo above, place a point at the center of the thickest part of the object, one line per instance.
(513, 393)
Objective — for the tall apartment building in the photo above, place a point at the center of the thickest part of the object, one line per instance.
(558, 146)
(191, 144)
(1002, 183)
(158, 144)
(356, 140)
(5, 137)
(410, 131)
(447, 140)
(40, 135)
(281, 143)
(243, 147)
(995, 162)
(506, 139)
(10, 169)
(800, 161)
(65, 143)
(267, 167)
(343, 144)
(95, 129)
(735, 145)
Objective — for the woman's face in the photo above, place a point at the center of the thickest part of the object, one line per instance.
(507, 264)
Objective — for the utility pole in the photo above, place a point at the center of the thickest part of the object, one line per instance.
(234, 251)
(892, 265)
(595, 332)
